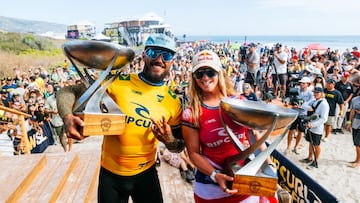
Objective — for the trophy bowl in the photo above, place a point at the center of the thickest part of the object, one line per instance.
(97, 54)
(257, 115)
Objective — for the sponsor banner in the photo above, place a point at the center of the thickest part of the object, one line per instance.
(300, 185)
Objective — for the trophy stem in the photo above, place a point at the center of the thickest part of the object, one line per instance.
(246, 153)
(101, 97)
(239, 146)
(89, 92)
(254, 165)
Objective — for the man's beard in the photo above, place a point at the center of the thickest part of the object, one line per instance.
(152, 77)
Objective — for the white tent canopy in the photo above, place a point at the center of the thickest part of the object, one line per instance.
(151, 17)
(101, 37)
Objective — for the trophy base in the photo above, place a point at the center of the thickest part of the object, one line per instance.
(102, 123)
(255, 185)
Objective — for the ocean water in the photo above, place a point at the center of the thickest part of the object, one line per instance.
(334, 42)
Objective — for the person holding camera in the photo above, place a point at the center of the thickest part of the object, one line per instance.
(253, 65)
(315, 128)
(304, 95)
(280, 70)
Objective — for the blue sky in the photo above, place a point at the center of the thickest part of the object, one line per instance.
(198, 17)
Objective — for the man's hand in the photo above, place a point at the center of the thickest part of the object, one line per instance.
(72, 124)
(162, 131)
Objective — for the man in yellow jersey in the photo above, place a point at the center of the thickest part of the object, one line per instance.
(153, 113)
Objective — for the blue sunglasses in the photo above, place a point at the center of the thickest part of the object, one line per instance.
(153, 53)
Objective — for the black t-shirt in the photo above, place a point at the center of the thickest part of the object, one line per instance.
(333, 97)
(345, 89)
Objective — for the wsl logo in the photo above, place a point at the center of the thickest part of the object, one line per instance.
(143, 113)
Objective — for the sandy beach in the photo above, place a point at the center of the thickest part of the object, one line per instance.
(333, 172)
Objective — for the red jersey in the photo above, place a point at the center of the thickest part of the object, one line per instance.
(216, 145)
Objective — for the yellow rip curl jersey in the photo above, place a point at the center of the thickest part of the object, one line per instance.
(134, 151)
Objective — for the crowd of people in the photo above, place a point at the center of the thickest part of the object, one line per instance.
(200, 74)
(34, 92)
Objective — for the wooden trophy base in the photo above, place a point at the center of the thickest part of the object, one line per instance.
(259, 185)
(102, 123)
(255, 185)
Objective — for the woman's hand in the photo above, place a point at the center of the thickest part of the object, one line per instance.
(221, 179)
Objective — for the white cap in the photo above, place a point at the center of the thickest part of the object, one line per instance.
(305, 80)
(206, 58)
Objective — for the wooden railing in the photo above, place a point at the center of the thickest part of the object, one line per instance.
(21, 116)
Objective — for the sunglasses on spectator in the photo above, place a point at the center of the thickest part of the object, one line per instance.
(154, 53)
(210, 73)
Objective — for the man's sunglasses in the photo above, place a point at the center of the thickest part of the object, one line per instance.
(210, 73)
(153, 54)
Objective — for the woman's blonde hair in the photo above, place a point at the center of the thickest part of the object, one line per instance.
(226, 89)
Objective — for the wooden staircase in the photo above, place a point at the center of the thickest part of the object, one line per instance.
(66, 177)
(71, 177)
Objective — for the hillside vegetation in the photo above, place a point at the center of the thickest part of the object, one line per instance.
(28, 51)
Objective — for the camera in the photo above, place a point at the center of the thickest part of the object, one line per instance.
(293, 97)
(243, 52)
(270, 53)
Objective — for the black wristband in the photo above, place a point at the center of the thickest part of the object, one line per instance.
(176, 146)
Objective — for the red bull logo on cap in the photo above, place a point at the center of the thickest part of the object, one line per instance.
(205, 56)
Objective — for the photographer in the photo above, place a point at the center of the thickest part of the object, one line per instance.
(303, 94)
(280, 72)
(252, 62)
(315, 128)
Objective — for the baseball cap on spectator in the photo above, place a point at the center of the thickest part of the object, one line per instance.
(3, 91)
(160, 40)
(309, 68)
(206, 58)
(305, 80)
(331, 81)
(355, 48)
(16, 94)
(9, 78)
(345, 74)
(318, 89)
(335, 58)
(252, 44)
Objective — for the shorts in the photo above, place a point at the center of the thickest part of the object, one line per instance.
(330, 120)
(251, 78)
(282, 78)
(313, 138)
(296, 124)
(356, 137)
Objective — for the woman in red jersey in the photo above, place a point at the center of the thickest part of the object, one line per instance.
(206, 140)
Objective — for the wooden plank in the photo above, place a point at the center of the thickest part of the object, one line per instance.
(41, 182)
(82, 179)
(20, 171)
(174, 188)
(60, 174)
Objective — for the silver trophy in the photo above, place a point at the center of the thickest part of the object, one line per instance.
(100, 113)
(249, 178)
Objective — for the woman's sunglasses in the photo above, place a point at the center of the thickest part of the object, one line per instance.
(154, 53)
(210, 73)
